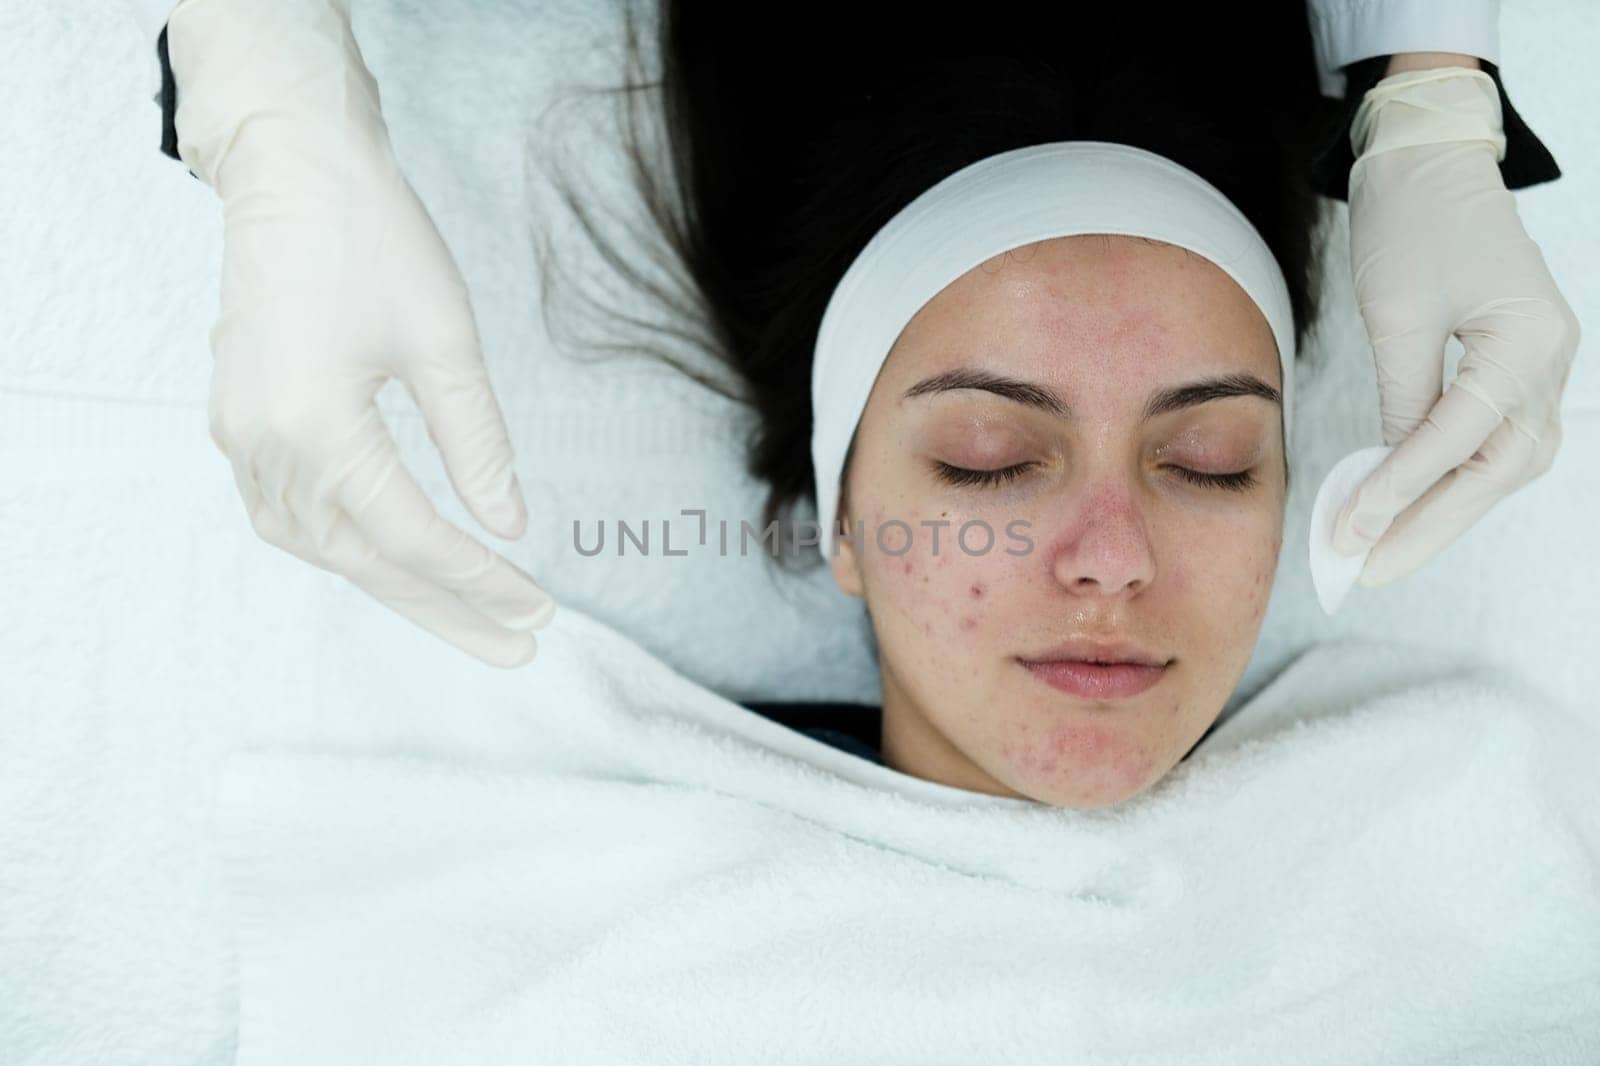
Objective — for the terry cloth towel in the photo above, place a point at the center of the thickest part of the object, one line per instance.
(1383, 857)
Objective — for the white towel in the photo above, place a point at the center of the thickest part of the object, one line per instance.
(1384, 857)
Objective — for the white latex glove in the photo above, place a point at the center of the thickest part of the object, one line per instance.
(334, 280)
(1437, 248)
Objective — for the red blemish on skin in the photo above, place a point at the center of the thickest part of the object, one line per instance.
(977, 590)
(968, 623)
(1103, 749)
(907, 566)
(1031, 763)
(1083, 743)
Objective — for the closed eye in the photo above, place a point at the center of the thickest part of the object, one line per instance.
(1233, 482)
(957, 475)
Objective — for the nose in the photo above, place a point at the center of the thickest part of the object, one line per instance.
(1102, 547)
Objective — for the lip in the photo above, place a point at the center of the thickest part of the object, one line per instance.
(1095, 651)
(1114, 682)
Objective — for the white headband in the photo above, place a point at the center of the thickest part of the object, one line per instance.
(1003, 202)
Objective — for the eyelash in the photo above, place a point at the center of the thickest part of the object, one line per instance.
(957, 475)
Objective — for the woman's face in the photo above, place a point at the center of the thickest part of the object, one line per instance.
(1094, 533)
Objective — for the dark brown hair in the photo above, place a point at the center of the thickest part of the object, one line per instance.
(788, 144)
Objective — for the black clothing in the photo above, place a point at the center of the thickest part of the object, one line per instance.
(1527, 161)
(852, 727)
(856, 727)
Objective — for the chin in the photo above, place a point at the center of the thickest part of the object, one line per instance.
(1098, 797)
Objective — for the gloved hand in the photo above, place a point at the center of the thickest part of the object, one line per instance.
(334, 280)
(1437, 248)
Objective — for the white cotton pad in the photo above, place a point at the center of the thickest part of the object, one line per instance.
(1333, 574)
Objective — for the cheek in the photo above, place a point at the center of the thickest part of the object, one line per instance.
(1261, 564)
(1231, 573)
(950, 597)
(1260, 589)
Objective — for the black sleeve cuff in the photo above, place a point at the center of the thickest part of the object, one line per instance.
(168, 99)
(1527, 161)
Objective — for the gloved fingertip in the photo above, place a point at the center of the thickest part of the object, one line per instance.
(1373, 577)
(508, 516)
(541, 616)
(523, 657)
(1346, 541)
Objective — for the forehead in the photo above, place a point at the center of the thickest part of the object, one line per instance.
(1118, 306)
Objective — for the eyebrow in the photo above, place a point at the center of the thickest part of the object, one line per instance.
(1029, 394)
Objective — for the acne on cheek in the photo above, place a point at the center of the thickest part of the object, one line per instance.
(966, 609)
(1265, 569)
(1227, 571)
(970, 622)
